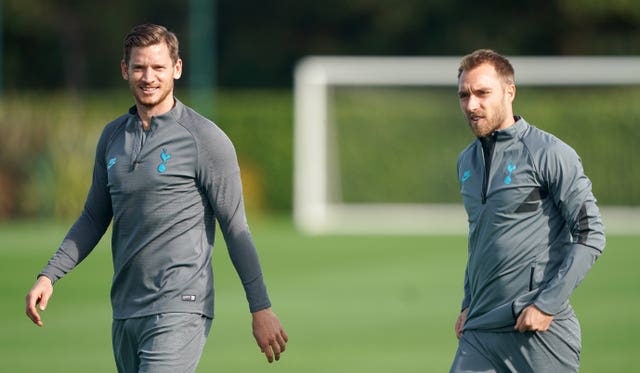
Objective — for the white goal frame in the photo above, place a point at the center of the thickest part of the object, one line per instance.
(314, 213)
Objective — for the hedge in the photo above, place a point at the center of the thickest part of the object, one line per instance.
(48, 147)
(394, 146)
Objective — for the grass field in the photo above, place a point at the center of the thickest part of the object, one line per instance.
(348, 303)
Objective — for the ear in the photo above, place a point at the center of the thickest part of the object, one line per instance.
(177, 69)
(123, 69)
(510, 91)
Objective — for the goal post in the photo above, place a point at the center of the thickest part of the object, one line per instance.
(317, 205)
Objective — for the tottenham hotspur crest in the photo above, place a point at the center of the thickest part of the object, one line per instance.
(162, 167)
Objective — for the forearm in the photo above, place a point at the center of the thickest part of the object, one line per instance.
(588, 243)
(247, 264)
(571, 272)
(83, 236)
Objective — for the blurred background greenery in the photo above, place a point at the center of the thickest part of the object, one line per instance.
(414, 135)
(61, 83)
(350, 303)
(75, 44)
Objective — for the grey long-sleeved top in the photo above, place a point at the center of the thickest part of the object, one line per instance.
(534, 227)
(164, 189)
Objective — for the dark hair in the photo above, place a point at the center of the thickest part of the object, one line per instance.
(149, 34)
(500, 63)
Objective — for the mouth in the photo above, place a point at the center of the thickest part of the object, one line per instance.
(474, 118)
(149, 90)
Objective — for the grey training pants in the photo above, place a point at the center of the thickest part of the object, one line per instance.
(170, 342)
(555, 351)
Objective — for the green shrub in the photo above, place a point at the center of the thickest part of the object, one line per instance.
(401, 145)
(398, 146)
(49, 139)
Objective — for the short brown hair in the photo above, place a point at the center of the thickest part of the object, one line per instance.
(500, 63)
(149, 34)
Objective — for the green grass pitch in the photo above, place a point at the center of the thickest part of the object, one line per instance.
(348, 303)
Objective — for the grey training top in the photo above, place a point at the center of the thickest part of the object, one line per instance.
(534, 227)
(164, 189)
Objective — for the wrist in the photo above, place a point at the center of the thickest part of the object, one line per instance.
(261, 311)
(44, 278)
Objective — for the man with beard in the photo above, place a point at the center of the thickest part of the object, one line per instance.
(534, 232)
(164, 174)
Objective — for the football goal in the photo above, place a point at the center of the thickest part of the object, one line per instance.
(376, 139)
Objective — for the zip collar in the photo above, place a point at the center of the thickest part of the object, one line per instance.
(175, 112)
(512, 131)
(488, 144)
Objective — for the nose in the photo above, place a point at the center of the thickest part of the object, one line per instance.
(471, 103)
(147, 75)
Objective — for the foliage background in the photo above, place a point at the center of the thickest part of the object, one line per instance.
(401, 144)
(61, 80)
(349, 303)
(61, 83)
(76, 44)
(394, 146)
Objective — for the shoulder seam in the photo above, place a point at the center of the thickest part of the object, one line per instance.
(529, 153)
(118, 129)
(193, 138)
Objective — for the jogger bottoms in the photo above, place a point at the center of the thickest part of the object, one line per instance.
(556, 350)
(170, 342)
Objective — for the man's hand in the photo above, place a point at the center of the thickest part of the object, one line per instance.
(38, 295)
(460, 322)
(269, 334)
(533, 319)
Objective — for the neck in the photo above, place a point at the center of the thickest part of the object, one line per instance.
(147, 112)
(507, 123)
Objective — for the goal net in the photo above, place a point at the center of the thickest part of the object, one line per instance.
(377, 138)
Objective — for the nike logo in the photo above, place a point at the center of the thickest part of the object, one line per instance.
(112, 162)
(465, 176)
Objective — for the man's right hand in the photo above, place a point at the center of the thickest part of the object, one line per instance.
(460, 322)
(38, 296)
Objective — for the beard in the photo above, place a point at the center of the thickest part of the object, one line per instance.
(154, 99)
(483, 124)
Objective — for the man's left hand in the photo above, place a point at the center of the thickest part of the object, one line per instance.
(533, 319)
(269, 334)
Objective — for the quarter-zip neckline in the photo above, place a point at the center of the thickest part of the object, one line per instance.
(140, 136)
(488, 145)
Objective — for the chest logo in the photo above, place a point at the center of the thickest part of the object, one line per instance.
(510, 169)
(465, 176)
(162, 167)
(112, 162)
